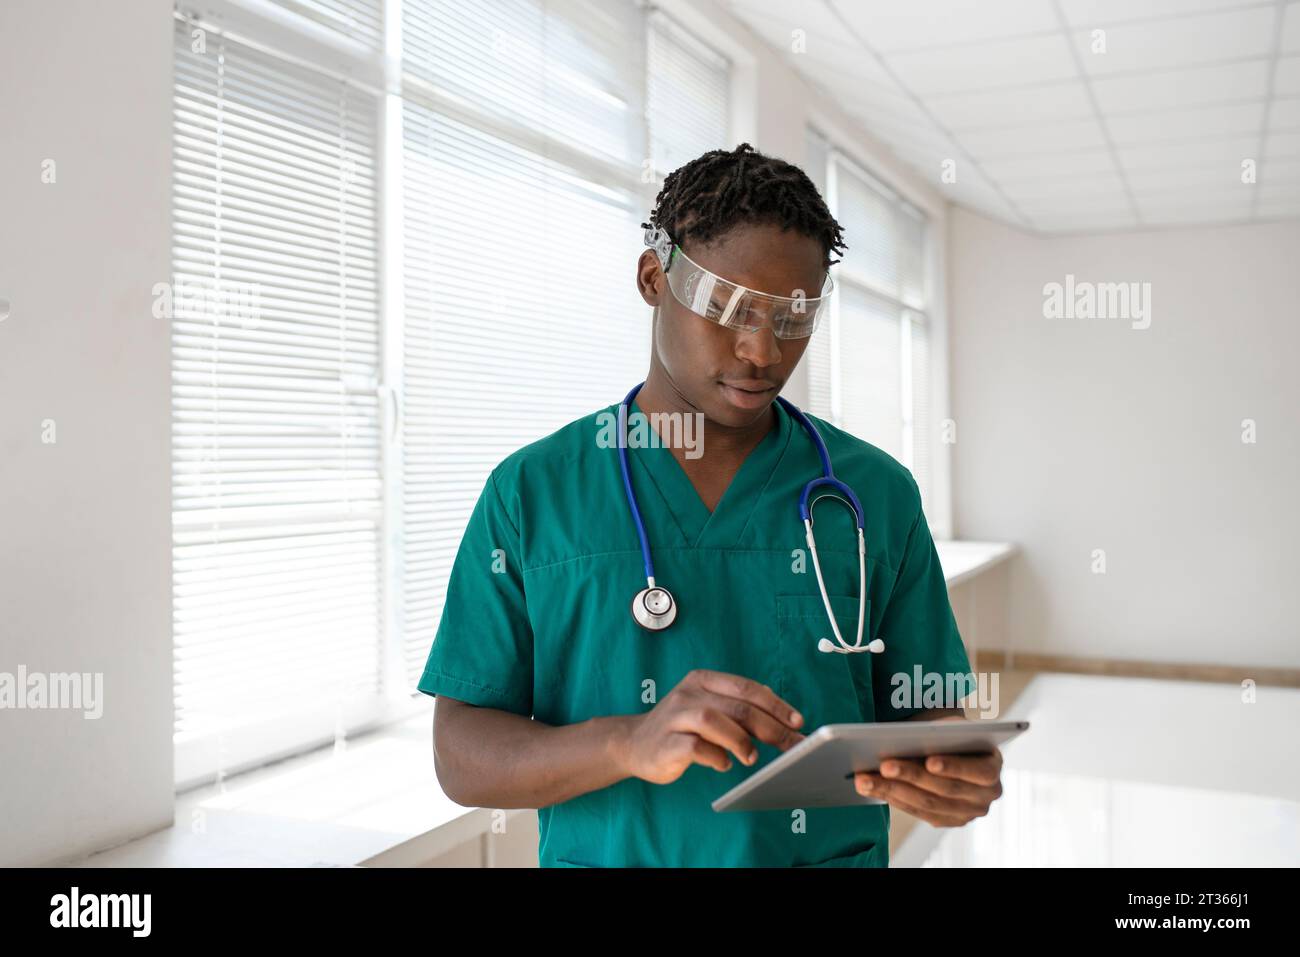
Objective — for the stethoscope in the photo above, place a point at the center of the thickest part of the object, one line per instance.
(654, 608)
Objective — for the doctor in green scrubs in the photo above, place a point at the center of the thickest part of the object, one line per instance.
(550, 694)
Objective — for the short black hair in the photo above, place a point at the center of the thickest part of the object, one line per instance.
(706, 197)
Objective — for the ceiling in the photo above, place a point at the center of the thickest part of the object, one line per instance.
(1051, 136)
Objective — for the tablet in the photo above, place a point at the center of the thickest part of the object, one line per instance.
(818, 771)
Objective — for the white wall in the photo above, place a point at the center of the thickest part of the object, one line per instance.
(85, 522)
(1083, 434)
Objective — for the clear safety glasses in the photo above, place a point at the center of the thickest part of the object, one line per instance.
(729, 304)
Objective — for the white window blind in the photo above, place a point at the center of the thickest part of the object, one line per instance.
(687, 88)
(817, 357)
(521, 200)
(555, 71)
(495, 192)
(869, 367)
(276, 428)
(871, 350)
(361, 21)
(523, 139)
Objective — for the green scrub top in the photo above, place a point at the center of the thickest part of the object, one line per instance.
(538, 621)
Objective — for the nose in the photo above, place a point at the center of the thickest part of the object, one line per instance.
(760, 347)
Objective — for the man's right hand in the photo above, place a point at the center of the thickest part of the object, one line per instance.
(708, 714)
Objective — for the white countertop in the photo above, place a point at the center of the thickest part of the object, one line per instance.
(964, 560)
(330, 807)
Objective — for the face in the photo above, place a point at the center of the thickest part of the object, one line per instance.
(730, 375)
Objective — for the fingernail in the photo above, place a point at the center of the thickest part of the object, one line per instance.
(751, 757)
(889, 769)
(936, 764)
(864, 784)
(796, 717)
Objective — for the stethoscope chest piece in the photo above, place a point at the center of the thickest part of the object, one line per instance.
(654, 608)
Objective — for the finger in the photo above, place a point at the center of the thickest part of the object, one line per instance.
(714, 726)
(981, 769)
(706, 753)
(760, 695)
(933, 818)
(753, 719)
(913, 773)
(930, 803)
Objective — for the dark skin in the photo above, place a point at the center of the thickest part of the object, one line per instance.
(693, 360)
(493, 758)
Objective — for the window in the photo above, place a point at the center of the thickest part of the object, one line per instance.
(687, 84)
(361, 21)
(385, 274)
(524, 191)
(520, 229)
(869, 366)
(275, 342)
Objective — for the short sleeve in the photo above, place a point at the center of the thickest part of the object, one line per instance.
(924, 653)
(482, 653)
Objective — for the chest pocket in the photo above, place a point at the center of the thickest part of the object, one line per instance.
(826, 687)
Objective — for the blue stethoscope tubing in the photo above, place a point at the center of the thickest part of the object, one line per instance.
(654, 607)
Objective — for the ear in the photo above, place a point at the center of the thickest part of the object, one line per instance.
(650, 279)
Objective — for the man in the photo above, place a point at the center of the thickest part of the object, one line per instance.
(551, 695)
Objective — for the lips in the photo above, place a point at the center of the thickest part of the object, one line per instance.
(748, 393)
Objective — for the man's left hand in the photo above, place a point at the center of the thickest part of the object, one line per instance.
(944, 790)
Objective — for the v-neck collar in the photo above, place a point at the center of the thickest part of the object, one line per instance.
(723, 527)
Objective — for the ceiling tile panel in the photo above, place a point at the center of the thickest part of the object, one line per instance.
(1047, 133)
